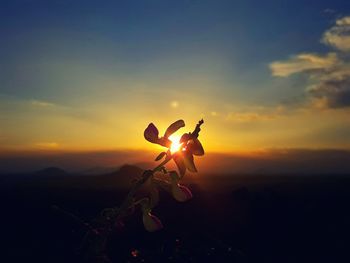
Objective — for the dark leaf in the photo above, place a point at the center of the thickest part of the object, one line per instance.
(160, 156)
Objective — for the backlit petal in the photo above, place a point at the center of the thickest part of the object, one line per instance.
(174, 127)
(195, 147)
(151, 133)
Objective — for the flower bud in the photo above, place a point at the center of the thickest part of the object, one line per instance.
(181, 193)
(151, 222)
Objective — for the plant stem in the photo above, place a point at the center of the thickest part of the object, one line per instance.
(147, 174)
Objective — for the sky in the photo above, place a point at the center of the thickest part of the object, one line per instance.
(91, 75)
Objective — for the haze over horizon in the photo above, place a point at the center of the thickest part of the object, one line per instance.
(271, 80)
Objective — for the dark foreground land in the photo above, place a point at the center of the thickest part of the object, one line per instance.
(230, 219)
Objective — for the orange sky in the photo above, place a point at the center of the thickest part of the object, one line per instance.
(74, 82)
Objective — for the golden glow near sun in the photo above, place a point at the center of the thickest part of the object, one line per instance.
(175, 143)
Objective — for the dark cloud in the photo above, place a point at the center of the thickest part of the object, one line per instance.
(336, 92)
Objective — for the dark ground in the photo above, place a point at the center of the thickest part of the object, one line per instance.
(230, 219)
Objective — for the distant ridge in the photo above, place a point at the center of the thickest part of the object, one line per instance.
(51, 171)
(128, 169)
(98, 170)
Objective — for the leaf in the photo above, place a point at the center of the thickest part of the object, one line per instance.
(160, 156)
(178, 158)
(151, 133)
(174, 127)
(195, 147)
(189, 163)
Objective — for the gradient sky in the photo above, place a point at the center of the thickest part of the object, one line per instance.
(91, 75)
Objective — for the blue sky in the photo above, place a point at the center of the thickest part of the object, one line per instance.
(243, 35)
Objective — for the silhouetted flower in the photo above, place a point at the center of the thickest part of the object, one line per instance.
(184, 158)
(190, 145)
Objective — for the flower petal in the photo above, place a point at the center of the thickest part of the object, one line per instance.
(179, 160)
(174, 127)
(185, 137)
(151, 222)
(151, 133)
(181, 193)
(189, 163)
(195, 147)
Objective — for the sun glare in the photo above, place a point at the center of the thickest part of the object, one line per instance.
(175, 143)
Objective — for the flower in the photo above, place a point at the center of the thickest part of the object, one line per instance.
(184, 159)
(190, 145)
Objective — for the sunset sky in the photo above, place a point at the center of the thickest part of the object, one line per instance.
(91, 75)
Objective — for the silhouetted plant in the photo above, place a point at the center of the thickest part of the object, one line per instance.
(110, 218)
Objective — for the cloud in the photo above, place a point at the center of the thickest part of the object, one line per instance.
(338, 36)
(304, 62)
(250, 116)
(329, 11)
(328, 75)
(40, 103)
(333, 91)
(47, 145)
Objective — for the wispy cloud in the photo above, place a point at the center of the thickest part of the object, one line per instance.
(47, 145)
(328, 74)
(304, 62)
(249, 117)
(259, 114)
(41, 103)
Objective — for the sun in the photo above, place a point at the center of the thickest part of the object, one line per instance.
(175, 143)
